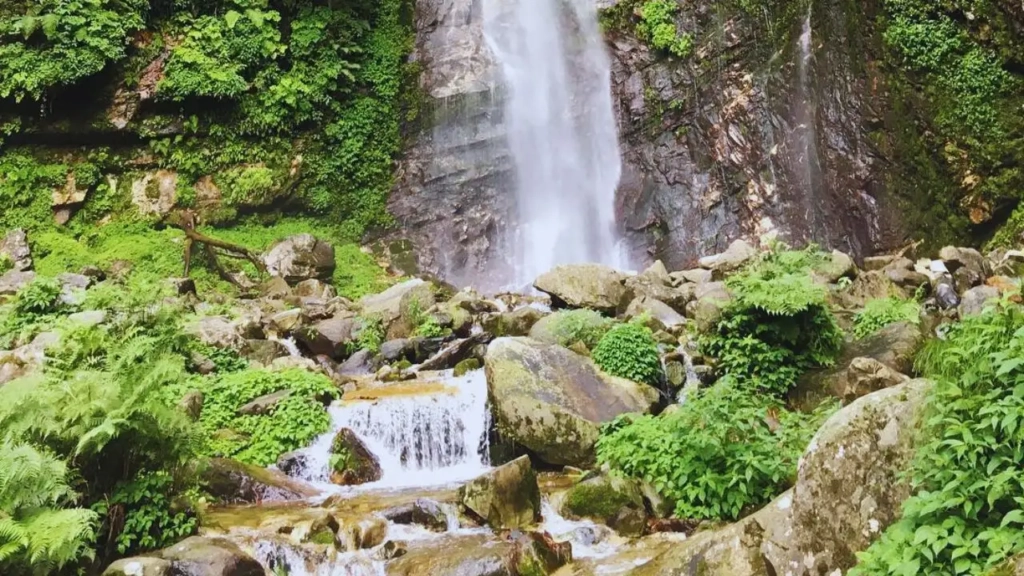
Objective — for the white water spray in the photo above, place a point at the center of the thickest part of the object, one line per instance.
(561, 130)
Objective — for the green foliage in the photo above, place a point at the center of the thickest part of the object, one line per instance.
(39, 531)
(260, 438)
(629, 351)
(582, 325)
(966, 513)
(58, 42)
(40, 297)
(150, 518)
(6, 264)
(657, 26)
(26, 186)
(425, 324)
(881, 312)
(722, 453)
(777, 325)
(248, 185)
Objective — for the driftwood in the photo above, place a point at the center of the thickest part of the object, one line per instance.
(185, 220)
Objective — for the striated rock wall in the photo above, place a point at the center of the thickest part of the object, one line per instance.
(764, 129)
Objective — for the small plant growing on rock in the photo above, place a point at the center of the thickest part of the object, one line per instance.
(6, 264)
(629, 351)
(881, 312)
(570, 326)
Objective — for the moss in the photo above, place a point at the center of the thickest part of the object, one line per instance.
(467, 365)
(323, 537)
(600, 500)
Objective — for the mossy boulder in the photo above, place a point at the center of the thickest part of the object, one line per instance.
(1012, 567)
(566, 327)
(586, 286)
(553, 401)
(507, 497)
(351, 461)
(466, 366)
(515, 323)
(210, 557)
(301, 257)
(398, 306)
(617, 502)
(514, 554)
(139, 567)
(233, 482)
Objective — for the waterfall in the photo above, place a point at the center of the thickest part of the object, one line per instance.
(806, 132)
(561, 131)
(421, 439)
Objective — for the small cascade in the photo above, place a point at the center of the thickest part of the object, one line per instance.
(289, 345)
(692, 380)
(421, 439)
(588, 539)
(282, 558)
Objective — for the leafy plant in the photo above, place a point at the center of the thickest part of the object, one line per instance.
(629, 351)
(582, 325)
(6, 264)
(723, 452)
(777, 325)
(966, 513)
(881, 312)
(259, 439)
(149, 515)
(40, 297)
(40, 530)
(371, 335)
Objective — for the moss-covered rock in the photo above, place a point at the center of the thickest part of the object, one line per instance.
(467, 365)
(609, 500)
(506, 497)
(552, 401)
(586, 286)
(566, 327)
(351, 461)
(514, 323)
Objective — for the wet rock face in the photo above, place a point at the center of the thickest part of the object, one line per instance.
(355, 463)
(210, 557)
(507, 497)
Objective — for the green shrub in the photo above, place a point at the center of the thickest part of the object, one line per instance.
(42, 296)
(657, 26)
(570, 326)
(777, 325)
(40, 530)
(722, 453)
(151, 520)
(629, 351)
(966, 513)
(881, 312)
(261, 439)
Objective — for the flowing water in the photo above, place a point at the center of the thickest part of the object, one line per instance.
(561, 130)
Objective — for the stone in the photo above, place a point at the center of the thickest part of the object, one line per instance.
(356, 464)
(361, 363)
(656, 283)
(264, 351)
(865, 287)
(395, 306)
(89, 317)
(73, 287)
(515, 323)
(140, 566)
(15, 249)
(956, 258)
(454, 355)
(286, 321)
(878, 262)
(945, 295)
(859, 368)
(423, 511)
(155, 193)
(292, 463)
(392, 549)
(591, 286)
(850, 484)
(711, 300)
(551, 329)
(466, 366)
(233, 482)
(511, 554)
(13, 281)
(735, 256)
(264, 404)
(839, 265)
(695, 276)
(974, 300)
(300, 257)
(367, 532)
(314, 288)
(332, 337)
(275, 288)
(192, 404)
(219, 332)
(507, 497)
(1012, 567)
(661, 313)
(552, 401)
(966, 278)
(908, 279)
(611, 500)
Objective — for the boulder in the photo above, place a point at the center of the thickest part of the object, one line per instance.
(361, 363)
(210, 557)
(695, 276)
(155, 193)
(264, 404)
(617, 502)
(219, 332)
(907, 279)
(839, 265)
(141, 566)
(15, 248)
(88, 318)
(457, 353)
(552, 401)
(352, 461)
(514, 554)
(1012, 567)
(865, 287)
(13, 281)
(332, 337)
(585, 286)
(735, 256)
(973, 301)
(395, 306)
(507, 497)
(706, 309)
(422, 511)
(233, 482)
(265, 351)
(656, 283)
(515, 323)
(556, 329)
(663, 316)
(314, 288)
(300, 257)
(275, 288)
(863, 366)
(956, 258)
(850, 484)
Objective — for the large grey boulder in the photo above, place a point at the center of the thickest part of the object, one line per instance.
(15, 280)
(735, 256)
(552, 401)
(332, 337)
(15, 248)
(513, 323)
(662, 315)
(955, 258)
(398, 306)
(507, 497)
(301, 257)
(210, 557)
(711, 300)
(656, 283)
(219, 332)
(592, 286)
(974, 300)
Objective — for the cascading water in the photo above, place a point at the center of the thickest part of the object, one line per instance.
(420, 439)
(561, 130)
